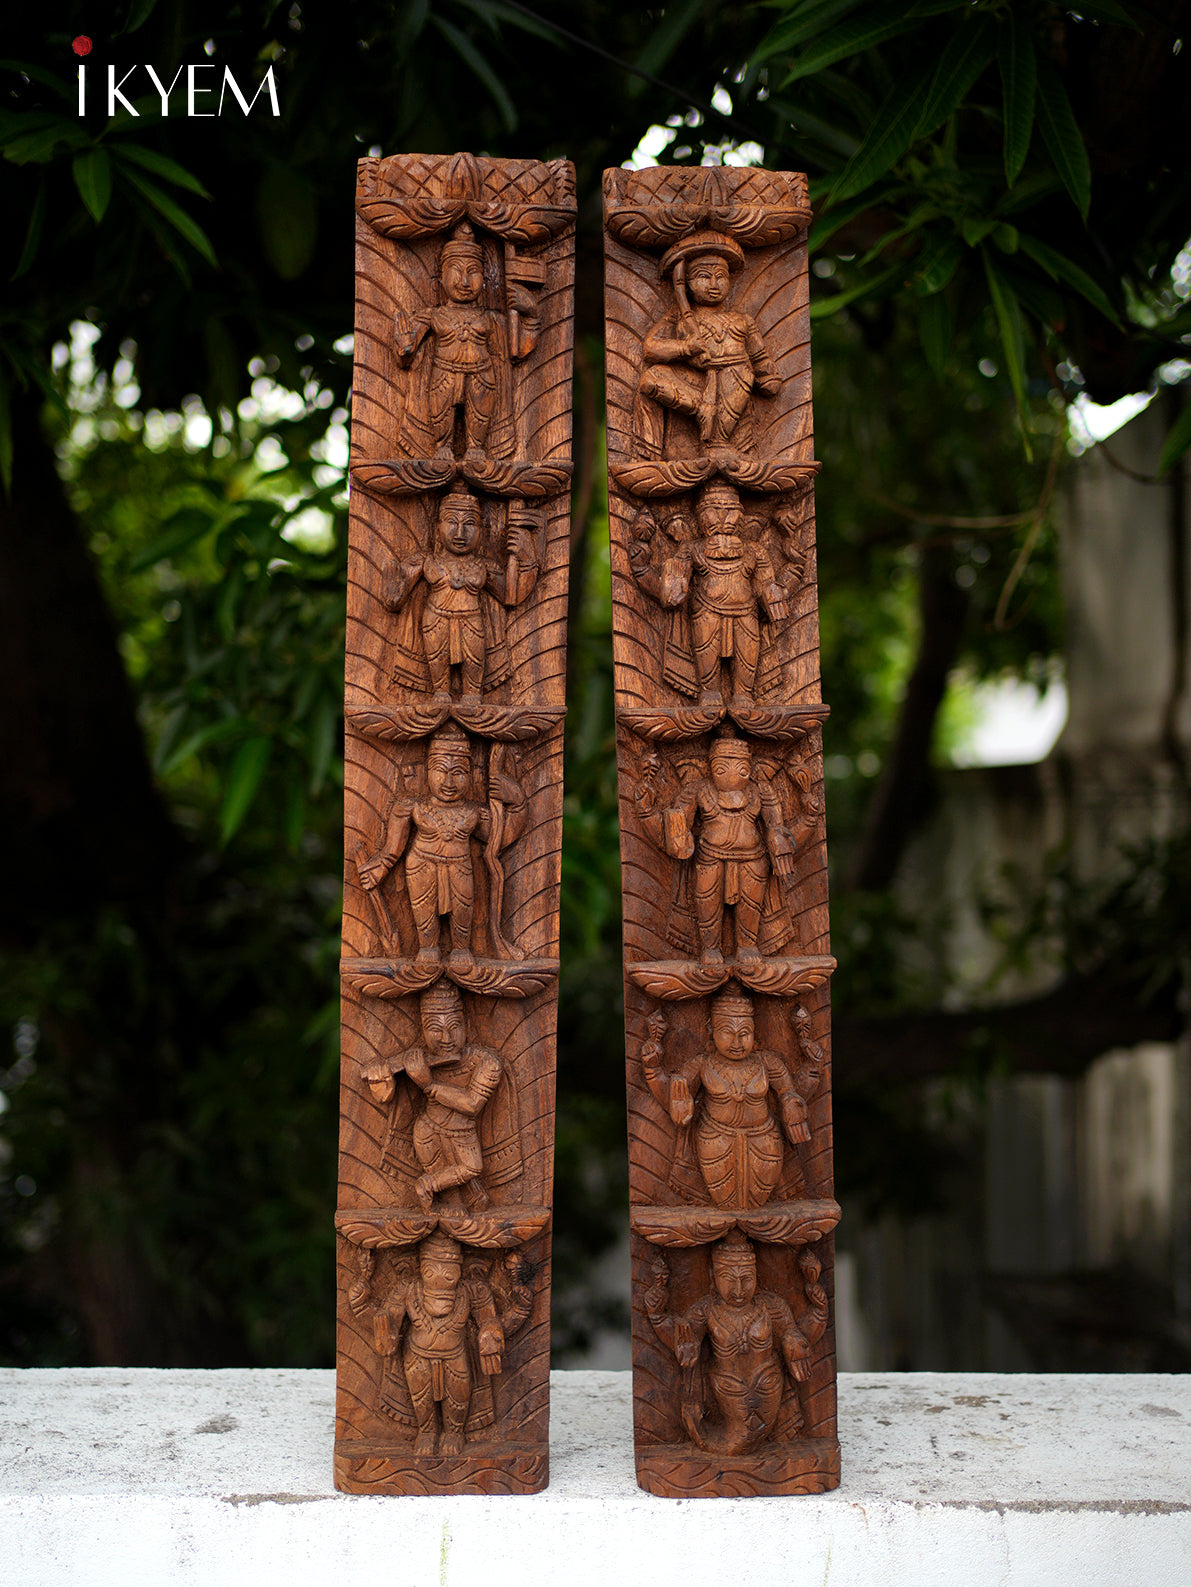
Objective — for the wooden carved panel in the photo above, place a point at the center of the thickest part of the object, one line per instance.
(457, 593)
(719, 725)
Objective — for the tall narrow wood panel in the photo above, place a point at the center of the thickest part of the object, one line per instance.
(460, 473)
(719, 719)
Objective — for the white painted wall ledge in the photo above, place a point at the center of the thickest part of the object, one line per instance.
(114, 1478)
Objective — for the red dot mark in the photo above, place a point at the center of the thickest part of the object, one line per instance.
(81, 45)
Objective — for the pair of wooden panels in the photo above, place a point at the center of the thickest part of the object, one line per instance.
(455, 701)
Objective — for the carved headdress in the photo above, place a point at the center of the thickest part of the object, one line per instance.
(461, 244)
(704, 242)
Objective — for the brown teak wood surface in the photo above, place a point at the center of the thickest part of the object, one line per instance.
(459, 529)
(719, 720)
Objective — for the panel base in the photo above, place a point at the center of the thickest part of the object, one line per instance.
(365, 1467)
(682, 1471)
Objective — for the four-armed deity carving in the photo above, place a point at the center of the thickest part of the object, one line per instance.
(453, 799)
(727, 962)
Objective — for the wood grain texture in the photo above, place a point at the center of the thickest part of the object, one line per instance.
(454, 695)
(723, 845)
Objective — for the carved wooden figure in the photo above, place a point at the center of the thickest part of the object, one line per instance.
(456, 637)
(722, 830)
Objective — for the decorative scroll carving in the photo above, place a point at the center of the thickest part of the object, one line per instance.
(453, 800)
(722, 830)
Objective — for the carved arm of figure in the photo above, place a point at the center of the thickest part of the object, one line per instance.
(490, 1335)
(777, 839)
(516, 1298)
(410, 331)
(766, 587)
(679, 821)
(665, 347)
(768, 381)
(524, 303)
(468, 1100)
(673, 1091)
(514, 583)
(373, 868)
(794, 1344)
(640, 553)
(401, 579)
(792, 1106)
(381, 1076)
(507, 792)
(813, 1323)
(359, 1296)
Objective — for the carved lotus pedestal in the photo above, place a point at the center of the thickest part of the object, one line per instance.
(452, 812)
(719, 724)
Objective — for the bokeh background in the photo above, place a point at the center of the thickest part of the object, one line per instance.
(1000, 338)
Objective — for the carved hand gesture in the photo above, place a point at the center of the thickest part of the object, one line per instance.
(417, 1068)
(682, 1107)
(657, 1295)
(521, 541)
(492, 1343)
(372, 871)
(686, 1346)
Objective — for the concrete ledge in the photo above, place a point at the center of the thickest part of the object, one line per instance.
(143, 1478)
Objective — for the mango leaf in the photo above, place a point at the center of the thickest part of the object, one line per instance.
(852, 38)
(934, 331)
(472, 57)
(939, 262)
(1177, 441)
(243, 780)
(33, 233)
(182, 223)
(889, 137)
(1063, 137)
(160, 164)
(803, 122)
(804, 24)
(37, 145)
(182, 530)
(288, 217)
(1058, 266)
(93, 178)
(820, 308)
(968, 52)
(1019, 81)
(663, 41)
(1008, 315)
(213, 733)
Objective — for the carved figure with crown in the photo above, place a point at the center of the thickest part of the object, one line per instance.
(458, 626)
(453, 1123)
(728, 820)
(704, 360)
(461, 379)
(434, 833)
(441, 1330)
(719, 586)
(735, 1106)
(742, 1353)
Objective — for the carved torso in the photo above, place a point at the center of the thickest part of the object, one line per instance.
(463, 337)
(729, 825)
(455, 584)
(443, 831)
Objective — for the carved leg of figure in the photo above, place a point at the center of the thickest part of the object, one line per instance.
(462, 914)
(421, 880)
(444, 393)
(673, 389)
(471, 655)
(733, 387)
(479, 401)
(706, 637)
(709, 910)
(420, 1381)
(753, 875)
(446, 1164)
(455, 1401)
(746, 652)
(436, 638)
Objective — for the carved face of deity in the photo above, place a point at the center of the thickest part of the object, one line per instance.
(729, 770)
(459, 524)
(440, 1279)
(442, 1029)
(448, 775)
(732, 1033)
(462, 277)
(734, 1273)
(708, 280)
